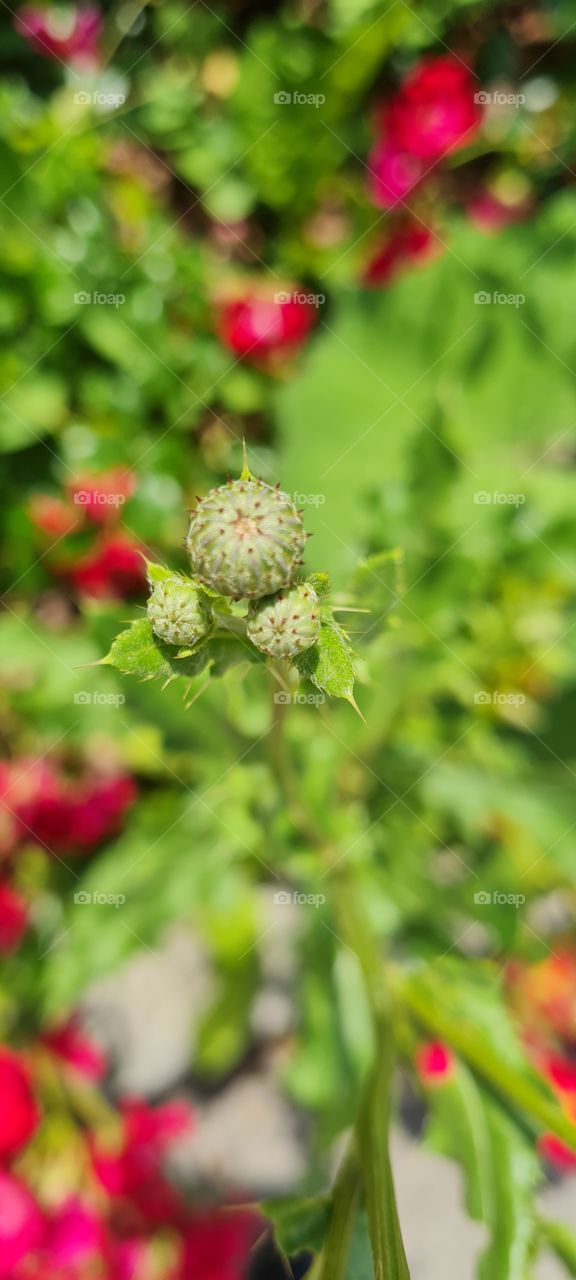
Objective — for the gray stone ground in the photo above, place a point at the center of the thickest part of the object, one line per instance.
(248, 1135)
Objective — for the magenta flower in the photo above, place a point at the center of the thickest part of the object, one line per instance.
(256, 326)
(19, 1111)
(393, 173)
(435, 111)
(13, 919)
(69, 35)
(409, 245)
(21, 1224)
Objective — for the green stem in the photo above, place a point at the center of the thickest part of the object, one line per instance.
(331, 1263)
(367, 1161)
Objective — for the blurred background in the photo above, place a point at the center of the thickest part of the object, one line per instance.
(345, 232)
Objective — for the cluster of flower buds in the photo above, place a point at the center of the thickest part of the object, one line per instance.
(245, 542)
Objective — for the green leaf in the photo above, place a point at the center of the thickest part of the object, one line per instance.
(458, 1128)
(500, 1166)
(562, 1241)
(494, 1061)
(299, 1222)
(515, 1174)
(328, 664)
(387, 1245)
(138, 652)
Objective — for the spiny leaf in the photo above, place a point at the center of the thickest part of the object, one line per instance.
(140, 653)
(320, 583)
(328, 664)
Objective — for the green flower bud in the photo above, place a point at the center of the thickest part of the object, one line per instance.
(245, 539)
(179, 612)
(287, 623)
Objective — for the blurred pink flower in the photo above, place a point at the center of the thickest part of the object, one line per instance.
(74, 1234)
(256, 326)
(434, 111)
(393, 173)
(135, 1172)
(217, 1244)
(70, 1043)
(434, 1062)
(19, 1110)
(13, 919)
(68, 34)
(21, 1224)
(409, 244)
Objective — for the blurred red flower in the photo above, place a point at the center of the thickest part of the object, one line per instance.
(52, 515)
(410, 244)
(557, 1153)
(19, 1111)
(434, 1063)
(70, 1043)
(135, 1173)
(99, 497)
(434, 111)
(394, 173)
(113, 569)
(217, 1244)
(13, 918)
(63, 815)
(255, 325)
(21, 1224)
(68, 34)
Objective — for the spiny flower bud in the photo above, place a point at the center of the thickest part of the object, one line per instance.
(287, 623)
(245, 539)
(180, 613)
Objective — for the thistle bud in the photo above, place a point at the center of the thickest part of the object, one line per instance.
(179, 611)
(287, 623)
(245, 539)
